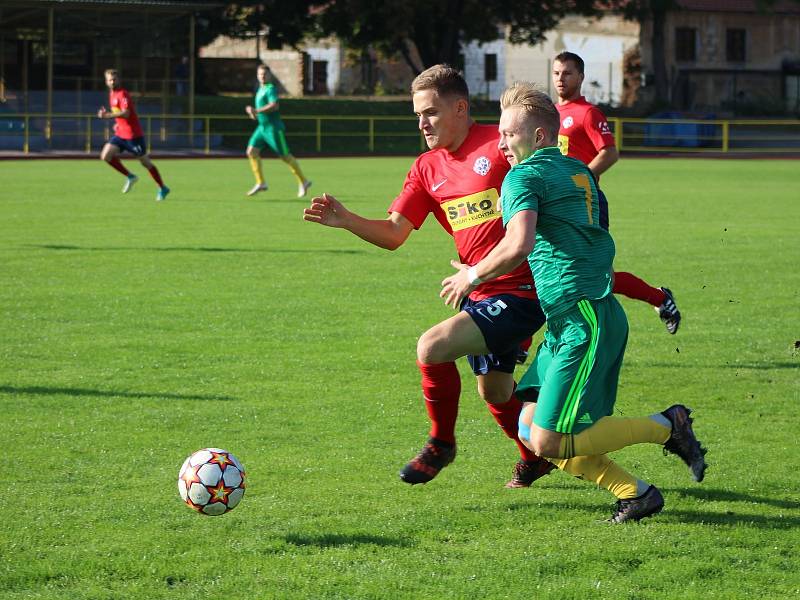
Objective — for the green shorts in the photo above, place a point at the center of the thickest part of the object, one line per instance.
(273, 137)
(576, 369)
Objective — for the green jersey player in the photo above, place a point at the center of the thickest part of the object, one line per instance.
(270, 133)
(550, 209)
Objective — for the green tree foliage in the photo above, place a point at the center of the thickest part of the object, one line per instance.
(423, 32)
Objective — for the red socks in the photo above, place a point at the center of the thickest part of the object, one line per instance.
(156, 176)
(441, 386)
(631, 286)
(507, 416)
(117, 164)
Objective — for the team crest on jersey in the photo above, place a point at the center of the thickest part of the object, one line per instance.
(604, 128)
(482, 165)
(567, 123)
(472, 210)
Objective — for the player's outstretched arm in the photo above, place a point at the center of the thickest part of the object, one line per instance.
(387, 233)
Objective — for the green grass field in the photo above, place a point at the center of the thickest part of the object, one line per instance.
(133, 333)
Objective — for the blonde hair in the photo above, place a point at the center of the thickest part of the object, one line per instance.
(112, 72)
(535, 103)
(444, 79)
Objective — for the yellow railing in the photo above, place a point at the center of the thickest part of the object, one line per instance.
(361, 134)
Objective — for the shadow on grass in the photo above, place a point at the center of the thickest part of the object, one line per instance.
(710, 517)
(36, 390)
(337, 540)
(68, 247)
(743, 367)
(717, 495)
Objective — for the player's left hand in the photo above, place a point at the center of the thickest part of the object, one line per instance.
(456, 287)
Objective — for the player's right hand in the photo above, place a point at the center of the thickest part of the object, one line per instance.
(102, 112)
(326, 210)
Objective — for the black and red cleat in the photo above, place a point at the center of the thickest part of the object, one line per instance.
(526, 472)
(433, 457)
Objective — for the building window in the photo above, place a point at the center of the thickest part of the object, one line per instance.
(685, 44)
(490, 67)
(735, 50)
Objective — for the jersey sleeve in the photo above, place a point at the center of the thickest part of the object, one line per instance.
(271, 95)
(414, 202)
(595, 124)
(522, 190)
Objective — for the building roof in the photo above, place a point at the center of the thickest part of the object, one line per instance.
(742, 6)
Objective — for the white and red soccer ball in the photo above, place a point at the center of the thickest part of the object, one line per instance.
(211, 481)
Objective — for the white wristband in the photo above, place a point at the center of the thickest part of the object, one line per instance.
(472, 275)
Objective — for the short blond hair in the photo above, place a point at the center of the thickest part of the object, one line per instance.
(111, 72)
(444, 79)
(535, 103)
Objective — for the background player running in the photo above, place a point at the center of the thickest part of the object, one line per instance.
(128, 135)
(551, 203)
(271, 133)
(584, 134)
(458, 181)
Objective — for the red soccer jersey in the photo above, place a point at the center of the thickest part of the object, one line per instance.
(584, 130)
(129, 127)
(462, 190)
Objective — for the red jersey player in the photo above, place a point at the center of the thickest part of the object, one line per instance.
(128, 136)
(458, 181)
(584, 134)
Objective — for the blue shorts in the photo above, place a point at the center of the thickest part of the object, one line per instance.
(603, 209)
(136, 146)
(505, 321)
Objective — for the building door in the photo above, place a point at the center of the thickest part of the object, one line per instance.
(319, 77)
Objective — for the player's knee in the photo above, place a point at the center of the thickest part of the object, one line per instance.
(429, 348)
(544, 445)
(494, 394)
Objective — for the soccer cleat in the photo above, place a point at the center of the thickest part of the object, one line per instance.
(259, 187)
(526, 472)
(433, 457)
(303, 188)
(668, 312)
(162, 193)
(683, 442)
(129, 181)
(634, 509)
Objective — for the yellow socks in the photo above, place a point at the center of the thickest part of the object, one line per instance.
(255, 166)
(605, 473)
(295, 167)
(613, 433)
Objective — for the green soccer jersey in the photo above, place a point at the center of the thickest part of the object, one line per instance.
(267, 94)
(573, 255)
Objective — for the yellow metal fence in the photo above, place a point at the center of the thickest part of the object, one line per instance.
(336, 134)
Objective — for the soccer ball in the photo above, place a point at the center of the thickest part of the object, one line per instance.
(211, 481)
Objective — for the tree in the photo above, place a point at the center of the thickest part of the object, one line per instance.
(434, 28)
(655, 11)
(437, 28)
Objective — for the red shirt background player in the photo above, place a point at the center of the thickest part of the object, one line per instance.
(127, 136)
(584, 134)
(128, 127)
(584, 131)
(458, 181)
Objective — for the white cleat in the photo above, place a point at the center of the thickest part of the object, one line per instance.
(162, 194)
(303, 188)
(259, 187)
(129, 181)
